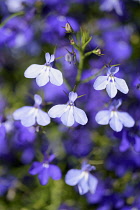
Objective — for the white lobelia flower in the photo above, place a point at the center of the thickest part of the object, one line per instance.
(29, 115)
(116, 119)
(69, 113)
(45, 73)
(111, 83)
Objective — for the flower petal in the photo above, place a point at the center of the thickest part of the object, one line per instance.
(57, 110)
(30, 118)
(92, 182)
(42, 118)
(38, 99)
(121, 85)
(83, 186)
(35, 168)
(47, 57)
(44, 176)
(33, 71)
(55, 172)
(72, 96)
(56, 77)
(126, 119)
(100, 83)
(67, 117)
(73, 176)
(103, 117)
(43, 78)
(111, 89)
(115, 123)
(21, 112)
(52, 58)
(80, 116)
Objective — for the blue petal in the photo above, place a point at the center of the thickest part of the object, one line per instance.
(103, 117)
(100, 83)
(73, 176)
(35, 168)
(113, 70)
(55, 172)
(44, 176)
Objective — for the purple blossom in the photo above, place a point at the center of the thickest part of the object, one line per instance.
(45, 170)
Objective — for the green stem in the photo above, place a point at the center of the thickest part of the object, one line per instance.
(80, 68)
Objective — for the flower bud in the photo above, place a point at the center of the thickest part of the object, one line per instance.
(68, 28)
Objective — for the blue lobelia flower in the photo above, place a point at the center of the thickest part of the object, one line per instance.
(109, 5)
(85, 181)
(69, 113)
(111, 83)
(44, 73)
(29, 115)
(115, 118)
(45, 170)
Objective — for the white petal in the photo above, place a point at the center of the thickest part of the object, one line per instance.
(42, 118)
(115, 123)
(38, 99)
(30, 117)
(103, 117)
(52, 58)
(92, 182)
(111, 89)
(100, 83)
(68, 118)
(73, 176)
(57, 111)
(47, 57)
(80, 116)
(33, 71)
(72, 96)
(56, 77)
(121, 85)
(126, 119)
(21, 112)
(43, 78)
(113, 70)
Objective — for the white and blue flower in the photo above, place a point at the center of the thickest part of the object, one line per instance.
(116, 119)
(85, 181)
(69, 113)
(45, 73)
(29, 115)
(111, 83)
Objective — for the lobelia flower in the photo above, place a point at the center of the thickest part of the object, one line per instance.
(69, 113)
(29, 115)
(115, 118)
(44, 73)
(82, 178)
(109, 5)
(111, 83)
(45, 170)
